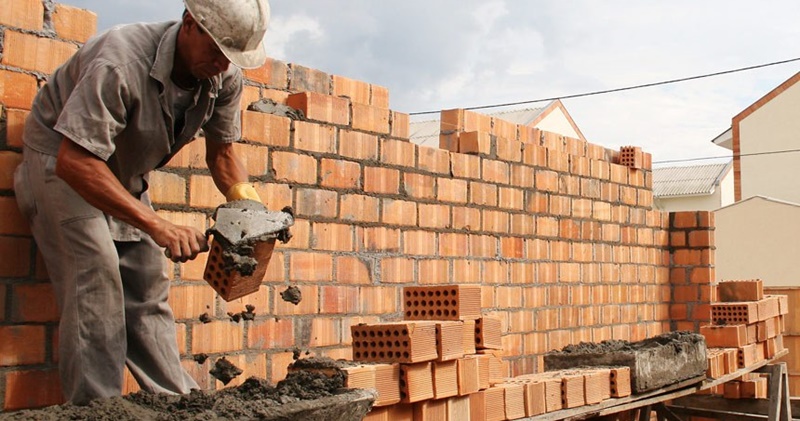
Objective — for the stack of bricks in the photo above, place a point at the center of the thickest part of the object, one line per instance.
(747, 327)
(447, 358)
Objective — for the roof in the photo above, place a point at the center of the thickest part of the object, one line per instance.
(724, 139)
(688, 180)
(426, 133)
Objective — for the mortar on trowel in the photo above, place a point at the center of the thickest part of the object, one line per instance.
(244, 235)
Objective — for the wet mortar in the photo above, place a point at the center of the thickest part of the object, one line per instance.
(255, 399)
(292, 295)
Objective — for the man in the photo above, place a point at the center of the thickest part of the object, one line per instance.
(127, 101)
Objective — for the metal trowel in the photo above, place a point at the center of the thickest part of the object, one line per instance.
(244, 235)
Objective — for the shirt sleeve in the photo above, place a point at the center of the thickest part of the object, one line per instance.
(225, 124)
(95, 112)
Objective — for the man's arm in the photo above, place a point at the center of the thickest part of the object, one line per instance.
(226, 168)
(90, 177)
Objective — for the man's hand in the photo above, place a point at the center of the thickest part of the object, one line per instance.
(92, 179)
(182, 243)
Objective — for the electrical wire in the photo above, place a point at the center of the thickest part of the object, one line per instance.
(628, 88)
(728, 157)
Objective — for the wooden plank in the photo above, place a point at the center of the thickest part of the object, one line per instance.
(716, 414)
(614, 406)
(748, 406)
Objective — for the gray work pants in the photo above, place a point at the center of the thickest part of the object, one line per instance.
(112, 295)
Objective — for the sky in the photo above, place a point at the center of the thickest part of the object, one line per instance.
(442, 54)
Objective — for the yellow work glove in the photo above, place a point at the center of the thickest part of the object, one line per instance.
(243, 190)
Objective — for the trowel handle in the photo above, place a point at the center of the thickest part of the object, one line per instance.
(203, 250)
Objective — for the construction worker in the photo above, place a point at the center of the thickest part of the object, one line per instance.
(121, 107)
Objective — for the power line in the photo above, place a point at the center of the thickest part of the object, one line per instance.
(728, 157)
(607, 91)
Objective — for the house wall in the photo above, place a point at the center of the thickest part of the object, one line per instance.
(564, 243)
(557, 122)
(684, 203)
(757, 238)
(773, 126)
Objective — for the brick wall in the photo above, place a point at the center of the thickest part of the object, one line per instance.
(563, 240)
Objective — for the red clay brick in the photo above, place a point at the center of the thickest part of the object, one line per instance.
(358, 145)
(397, 152)
(314, 137)
(272, 73)
(370, 119)
(337, 173)
(379, 96)
(451, 190)
(316, 203)
(495, 171)
(475, 143)
(352, 270)
(250, 94)
(357, 91)
(32, 389)
(359, 208)
(203, 193)
(217, 336)
(34, 303)
(308, 79)
(267, 129)
(332, 237)
(190, 301)
(381, 180)
(482, 194)
(379, 300)
(310, 266)
(11, 220)
(319, 107)
(16, 254)
(17, 89)
(465, 166)
(419, 243)
(434, 160)
(339, 300)
(419, 186)
(400, 125)
(15, 123)
(309, 304)
(30, 52)
(167, 188)
(21, 345)
(73, 23)
(445, 379)
(25, 14)
(434, 216)
(399, 212)
(397, 270)
(378, 239)
(292, 167)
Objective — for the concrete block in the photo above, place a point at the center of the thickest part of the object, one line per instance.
(734, 291)
(416, 382)
(445, 379)
(655, 362)
(446, 302)
(401, 342)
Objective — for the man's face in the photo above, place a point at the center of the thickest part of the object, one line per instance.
(203, 57)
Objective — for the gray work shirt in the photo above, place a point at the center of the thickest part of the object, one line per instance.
(110, 98)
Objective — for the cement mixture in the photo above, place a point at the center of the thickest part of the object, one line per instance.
(306, 395)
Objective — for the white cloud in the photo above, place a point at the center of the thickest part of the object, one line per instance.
(282, 29)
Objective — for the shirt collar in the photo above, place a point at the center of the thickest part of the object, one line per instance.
(165, 56)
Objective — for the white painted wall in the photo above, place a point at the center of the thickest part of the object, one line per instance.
(557, 122)
(775, 126)
(723, 196)
(759, 238)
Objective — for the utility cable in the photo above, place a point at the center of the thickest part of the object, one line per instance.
(728, 157)
(628, 88)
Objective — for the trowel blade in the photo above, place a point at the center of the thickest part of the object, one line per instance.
(236, 225)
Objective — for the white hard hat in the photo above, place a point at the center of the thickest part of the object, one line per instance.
(237, 26)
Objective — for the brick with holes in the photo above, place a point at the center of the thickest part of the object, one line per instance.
(395, 342)
(445, 302)
(488, 333)
(416, 382)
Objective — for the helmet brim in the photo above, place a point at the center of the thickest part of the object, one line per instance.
(251, 59)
